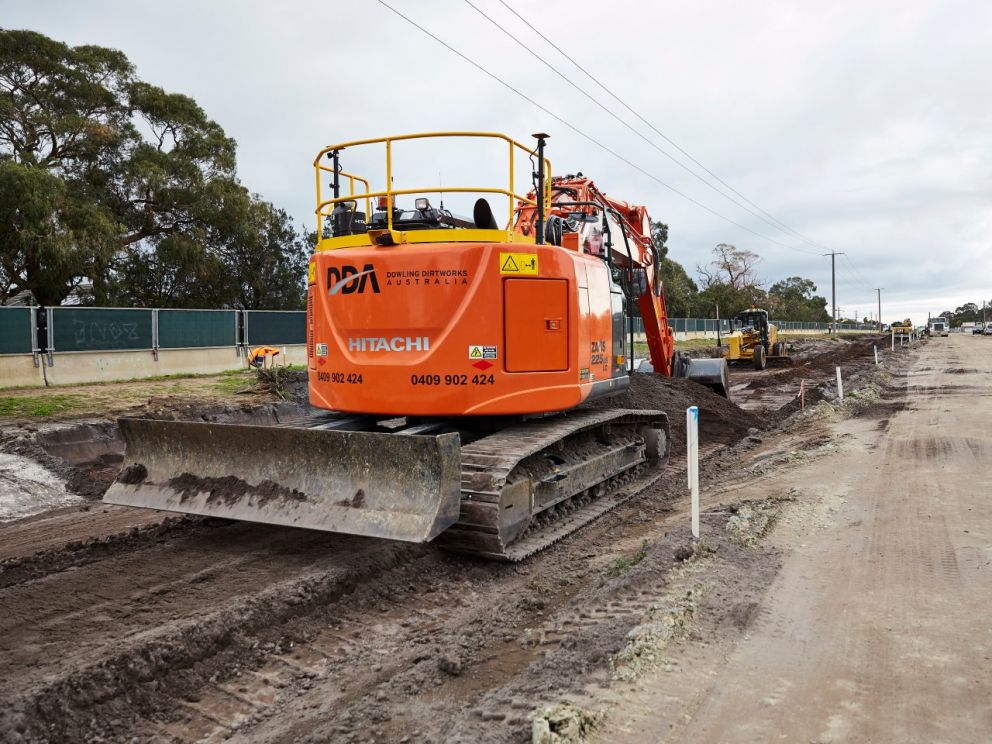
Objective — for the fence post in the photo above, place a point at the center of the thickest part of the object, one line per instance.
(155, 333)
(35, 347)
(50, 335)
(243, 335)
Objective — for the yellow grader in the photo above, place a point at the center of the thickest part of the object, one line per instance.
(755, 340)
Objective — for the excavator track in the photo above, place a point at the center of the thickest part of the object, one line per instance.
(528, 486)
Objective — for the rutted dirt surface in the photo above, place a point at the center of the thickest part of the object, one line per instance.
(876, 628)
(124, 623)
(813, 368)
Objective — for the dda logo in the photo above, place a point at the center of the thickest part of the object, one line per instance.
(348, 279)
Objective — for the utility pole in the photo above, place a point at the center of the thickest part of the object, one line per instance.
(879, 290)
(833, 286)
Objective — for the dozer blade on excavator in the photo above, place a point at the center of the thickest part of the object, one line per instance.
(338, 481)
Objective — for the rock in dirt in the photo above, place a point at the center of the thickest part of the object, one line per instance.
(450, 665)
(563, 723)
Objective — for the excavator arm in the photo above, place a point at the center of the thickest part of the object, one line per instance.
(628, 247)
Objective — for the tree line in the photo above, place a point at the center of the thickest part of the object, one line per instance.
(969, 312)
(730, 283)
(114, 191)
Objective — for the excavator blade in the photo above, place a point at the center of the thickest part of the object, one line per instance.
(360, 483)
(710, 372)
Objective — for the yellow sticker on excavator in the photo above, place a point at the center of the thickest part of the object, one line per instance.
(518, 263)
(312, 273)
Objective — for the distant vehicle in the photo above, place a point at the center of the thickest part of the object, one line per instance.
(977, 330)
(937, 327)
(988, 330)
(905, 328)
(755, 340)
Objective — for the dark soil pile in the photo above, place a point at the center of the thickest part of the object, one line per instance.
(721, 421)
(288, 384)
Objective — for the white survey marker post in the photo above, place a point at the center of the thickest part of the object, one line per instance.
(875, 347)
(692, 453)
(840, 386)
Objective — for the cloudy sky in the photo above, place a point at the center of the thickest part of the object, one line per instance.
(865, 126)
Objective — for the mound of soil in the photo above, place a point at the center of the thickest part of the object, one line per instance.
(721, 421)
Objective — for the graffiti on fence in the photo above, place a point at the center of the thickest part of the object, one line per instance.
(89, 332)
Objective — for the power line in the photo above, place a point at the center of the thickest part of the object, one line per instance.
(588, 137)
(857, 273)
(626, 124)
(781, 225)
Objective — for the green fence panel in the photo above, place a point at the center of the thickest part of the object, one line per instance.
(275, 328)
(101, 329)
(15, 330)
(178, 329)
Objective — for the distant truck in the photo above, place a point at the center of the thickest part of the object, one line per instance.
(938, 327)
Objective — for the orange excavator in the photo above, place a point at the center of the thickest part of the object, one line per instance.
(450, 360)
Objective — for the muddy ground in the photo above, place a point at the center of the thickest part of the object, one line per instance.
(124, 624)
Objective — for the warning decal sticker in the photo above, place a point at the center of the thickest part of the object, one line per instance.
(524, 264)
(481, 352)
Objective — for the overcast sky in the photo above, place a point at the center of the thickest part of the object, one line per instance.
(864, 125)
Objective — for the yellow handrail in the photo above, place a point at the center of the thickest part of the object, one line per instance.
(427, 190)
(351, 184)
(514, 198)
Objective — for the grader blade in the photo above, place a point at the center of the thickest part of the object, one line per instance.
(359, 483)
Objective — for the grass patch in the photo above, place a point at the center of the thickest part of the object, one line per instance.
(235, 381)
(624, 563)
(39, 406)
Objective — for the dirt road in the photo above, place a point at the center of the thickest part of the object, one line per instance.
(878, 626)
(123, 625)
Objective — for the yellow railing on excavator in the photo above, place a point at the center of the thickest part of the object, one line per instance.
(324, 206)
(351, 187)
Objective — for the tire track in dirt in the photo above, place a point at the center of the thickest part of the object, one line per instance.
(101, 641)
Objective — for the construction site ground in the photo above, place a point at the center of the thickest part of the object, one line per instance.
(840, 590)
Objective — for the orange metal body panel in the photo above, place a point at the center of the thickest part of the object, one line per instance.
(419, 329)
(535, 313)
